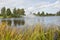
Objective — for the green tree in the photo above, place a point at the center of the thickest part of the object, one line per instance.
(42, 14)
(47, 14)
(3, 12)
(58, 13)
(8, 12)
(18, 13)
(22, 11)
(14, 12)
(38, 13)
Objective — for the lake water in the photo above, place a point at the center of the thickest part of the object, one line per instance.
(19, 22)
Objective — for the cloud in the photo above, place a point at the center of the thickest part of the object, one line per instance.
(11, 3)
(46, 6)
(32, 5)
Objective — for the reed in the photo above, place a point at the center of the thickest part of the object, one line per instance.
(36, 33)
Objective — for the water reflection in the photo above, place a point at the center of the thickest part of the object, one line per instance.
(8, 22)
(27, 21)
(13, 22)
(19, 22)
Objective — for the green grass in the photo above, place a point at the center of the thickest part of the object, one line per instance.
(1, 17)
(6, 17)
(36, 33)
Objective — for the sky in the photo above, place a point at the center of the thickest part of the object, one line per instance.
(50, 6)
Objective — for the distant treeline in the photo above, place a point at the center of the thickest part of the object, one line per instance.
(47, 14)
(7, 13)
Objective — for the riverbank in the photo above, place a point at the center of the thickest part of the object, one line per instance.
(36, 33)
(10, 17)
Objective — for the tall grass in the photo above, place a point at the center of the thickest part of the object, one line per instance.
(36, 33)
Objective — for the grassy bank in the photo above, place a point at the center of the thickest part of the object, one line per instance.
(37, 33)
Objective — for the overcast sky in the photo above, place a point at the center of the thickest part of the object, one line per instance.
(50, 6)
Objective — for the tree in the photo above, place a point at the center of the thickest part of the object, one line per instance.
(14, 11)
(8, 12)
(47, 14)
(38, 13)
(3, 10)
(20, 11)
(58, 13)
(42, 14)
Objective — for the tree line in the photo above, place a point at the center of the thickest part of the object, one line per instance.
(47, 14)
(7, 13)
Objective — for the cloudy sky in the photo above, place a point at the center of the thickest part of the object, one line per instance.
(50, 6)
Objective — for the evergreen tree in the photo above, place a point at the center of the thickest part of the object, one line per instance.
(3, 10)
(8, 12)
(42, 14)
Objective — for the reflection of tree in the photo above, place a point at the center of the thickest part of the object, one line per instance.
(16, 22)
(8, 22)
(19, 22)
(3, 21)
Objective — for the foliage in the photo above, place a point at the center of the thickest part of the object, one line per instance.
(36, 33)
(42, 13)
(3, 10)
(47, 14)
(7, 13)
(58, 13)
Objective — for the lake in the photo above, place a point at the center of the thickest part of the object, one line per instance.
(27, 21)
